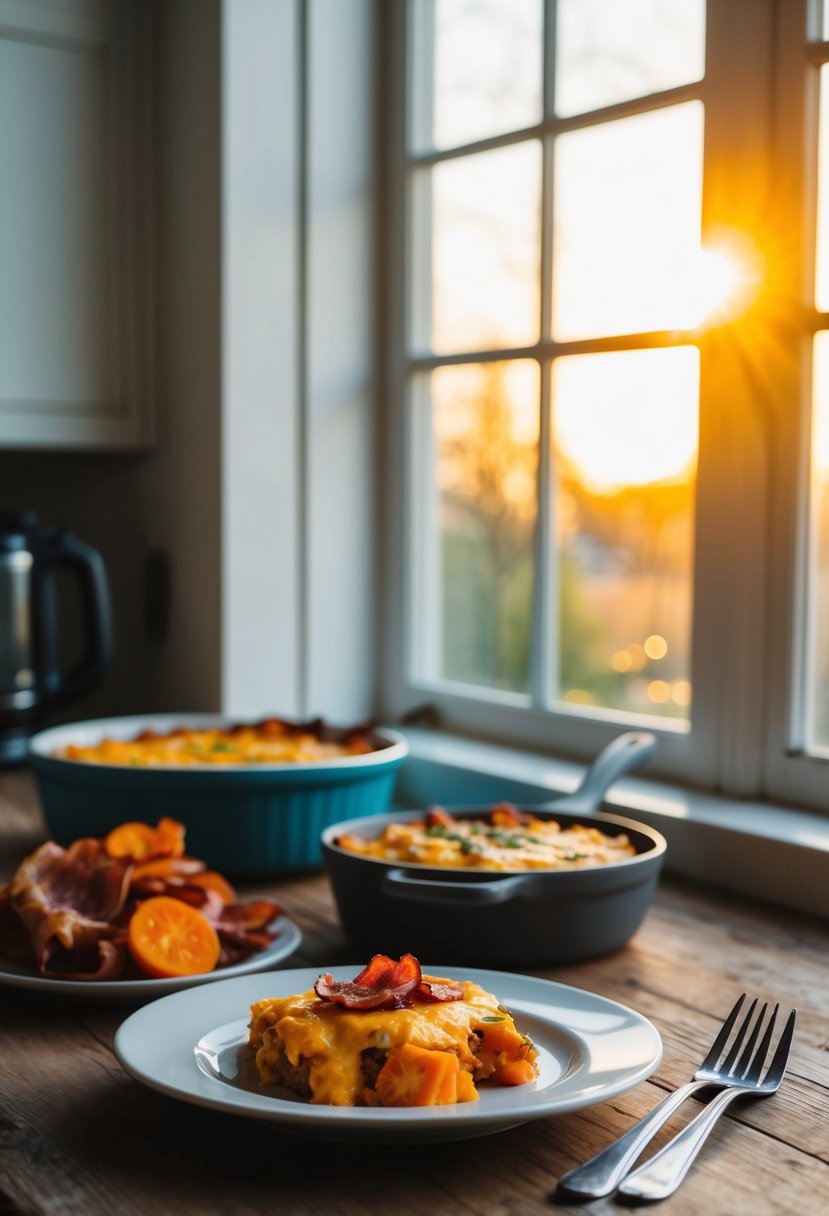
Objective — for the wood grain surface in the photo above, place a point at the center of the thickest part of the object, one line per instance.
(78, 1137)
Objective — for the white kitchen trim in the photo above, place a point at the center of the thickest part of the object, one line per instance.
(297, 355)
(262, 136)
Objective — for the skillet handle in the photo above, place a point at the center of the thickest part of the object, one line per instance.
(401, 885)
(625, 751)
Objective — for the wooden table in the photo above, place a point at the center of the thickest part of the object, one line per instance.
(80, 1137)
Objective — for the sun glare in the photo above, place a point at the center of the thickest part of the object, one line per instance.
(728, 280)
(626, 418)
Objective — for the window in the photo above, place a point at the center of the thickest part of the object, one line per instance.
(609, 361)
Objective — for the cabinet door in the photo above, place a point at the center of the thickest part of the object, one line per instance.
(75, 367)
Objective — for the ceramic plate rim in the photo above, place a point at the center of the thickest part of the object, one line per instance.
(186, 1020)
(288, 941)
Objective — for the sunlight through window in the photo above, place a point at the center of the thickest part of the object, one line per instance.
(728, 280)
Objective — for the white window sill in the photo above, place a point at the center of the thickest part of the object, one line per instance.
(757, 849)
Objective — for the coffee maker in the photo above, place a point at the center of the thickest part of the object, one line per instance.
(32, 682)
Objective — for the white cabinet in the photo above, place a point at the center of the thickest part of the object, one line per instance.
(75, 194)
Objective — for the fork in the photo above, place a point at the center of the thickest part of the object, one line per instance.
(662, 1174)
(603, 1172)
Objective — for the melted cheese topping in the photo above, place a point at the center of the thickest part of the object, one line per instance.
(269, 742)
(331, 1038)
(541, 844)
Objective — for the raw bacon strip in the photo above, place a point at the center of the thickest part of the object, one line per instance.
(431, 993)
(383, 984)
(68, 897)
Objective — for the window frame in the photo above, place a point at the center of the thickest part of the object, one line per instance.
(749, 560)
(790, 773)
(295, 457)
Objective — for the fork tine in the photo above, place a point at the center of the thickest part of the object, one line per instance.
(752, 1075)
(781, 1056)
(603, 1172)
(730, 1060)
(722, 1038)
(742, 1064)
(662, 1173)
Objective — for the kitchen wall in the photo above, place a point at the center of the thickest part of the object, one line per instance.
(258, 487)
(166, 499)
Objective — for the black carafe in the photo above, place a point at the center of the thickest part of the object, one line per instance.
(32, 683)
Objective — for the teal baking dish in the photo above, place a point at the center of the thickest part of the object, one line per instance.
(245, 820)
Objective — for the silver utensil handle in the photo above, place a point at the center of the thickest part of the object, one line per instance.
(661, 1176)
(601, 1174)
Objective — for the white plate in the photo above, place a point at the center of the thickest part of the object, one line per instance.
(130, 990)
(193, 1046)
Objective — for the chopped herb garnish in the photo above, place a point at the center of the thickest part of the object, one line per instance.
(492, 1019)
(505, 839)
(574, 857)
(221, 746)
(440, 830)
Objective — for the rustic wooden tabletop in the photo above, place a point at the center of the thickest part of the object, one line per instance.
(78, 1136)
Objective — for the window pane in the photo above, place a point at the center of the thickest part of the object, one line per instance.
(822, 260)
(607, 51)
(484, 227)
(625, 439)
(477, 69)
(818, 20)
(817, 663)
(479, 590)
(626, 248)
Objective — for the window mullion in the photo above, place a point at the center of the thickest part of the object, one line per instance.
(737, 393)
(790, 773)
(396, 584)
(543, 674)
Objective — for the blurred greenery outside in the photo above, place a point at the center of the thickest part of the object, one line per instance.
(623, 572)
(622, 569)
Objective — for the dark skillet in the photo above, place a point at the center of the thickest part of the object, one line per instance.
(502, 918)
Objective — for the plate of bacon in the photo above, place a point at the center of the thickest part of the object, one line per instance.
(131, 916)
